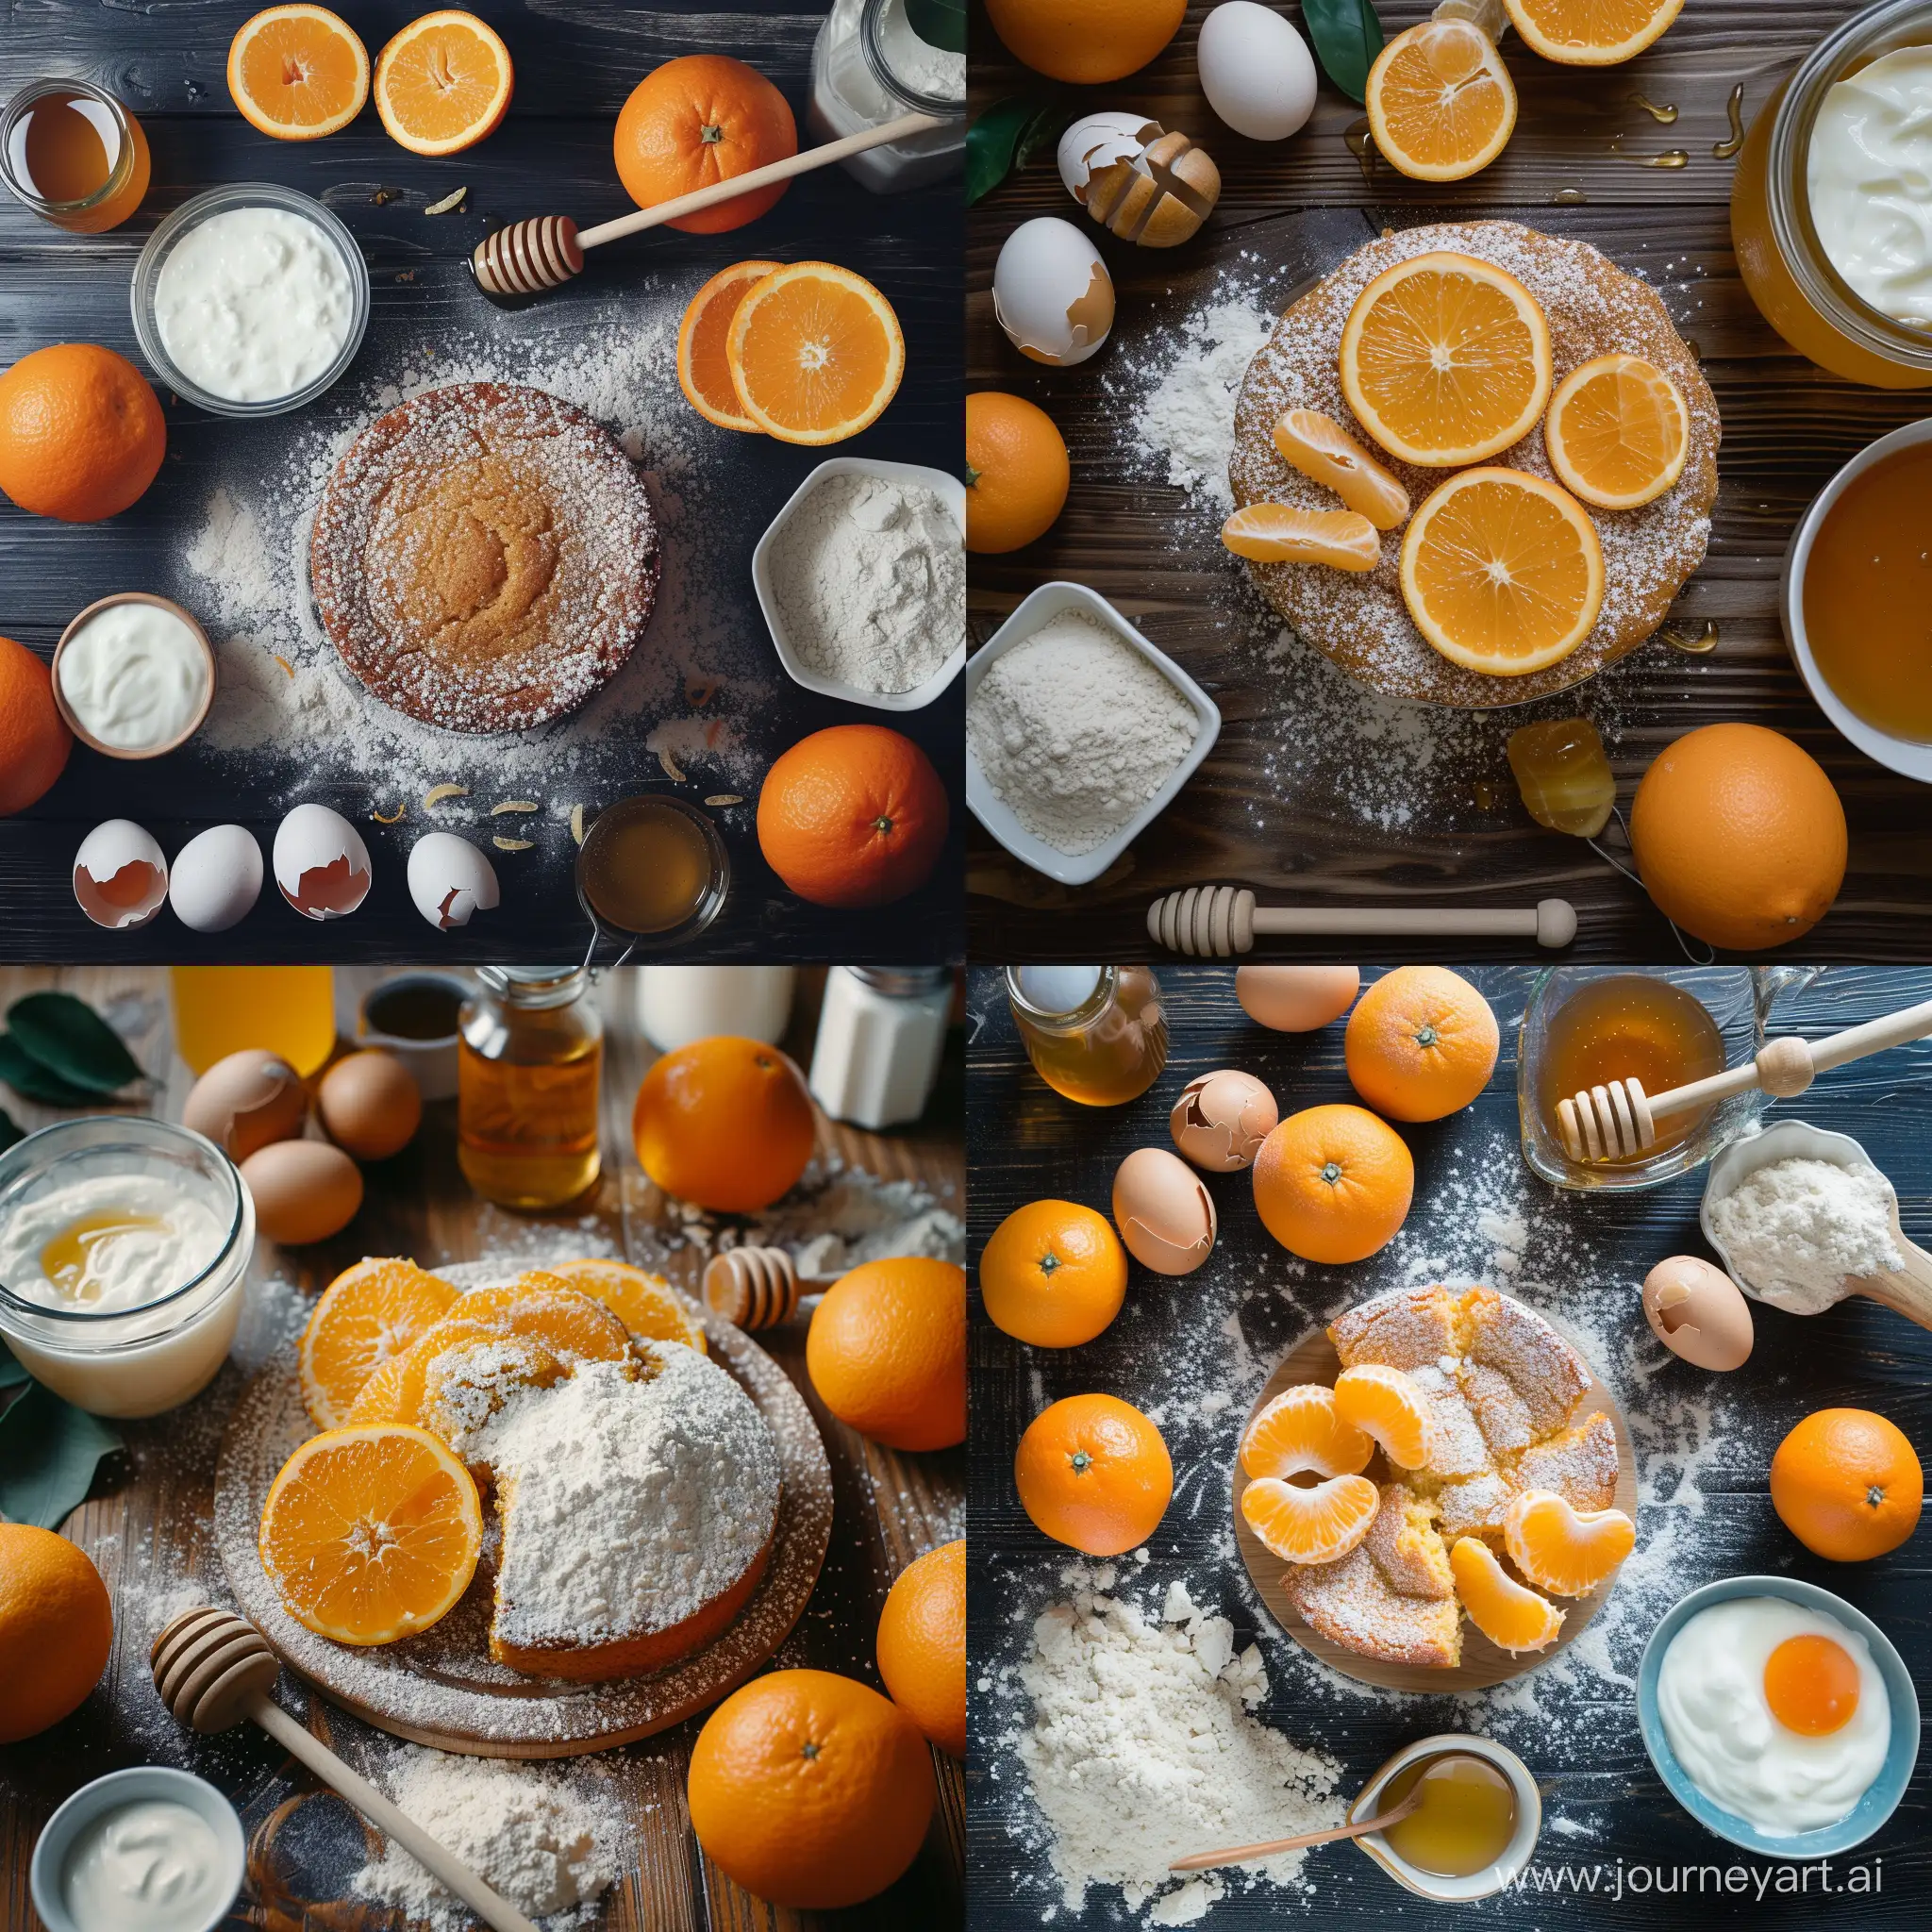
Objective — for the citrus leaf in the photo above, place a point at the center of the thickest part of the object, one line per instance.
(11, 1131)
(69, 1038)
(995, 142)
(49, 1451)
(32, 1081)
(939, 23)
(1347, 36)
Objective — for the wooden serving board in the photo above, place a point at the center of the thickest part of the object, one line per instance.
(1313, 1359)
(443, 1687)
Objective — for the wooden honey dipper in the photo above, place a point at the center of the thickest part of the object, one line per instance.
(757, 1287)
(213, 1669)
(1220, 921)
(530, 257)
(1612, 1121)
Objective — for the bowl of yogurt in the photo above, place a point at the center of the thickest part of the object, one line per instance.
(134, 676)
(250, 300)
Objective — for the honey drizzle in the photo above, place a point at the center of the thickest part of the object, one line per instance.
(1699, 646)
(1734, 107)
(1671, 157)
(1569, 198)
(1666, 114)
(1361, 139)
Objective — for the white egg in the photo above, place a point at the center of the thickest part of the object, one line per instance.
(449, 879)
(1052, 293)
(120, 876)
(217, 878)
(1256, 71)
(321, 863)
(1098, 140)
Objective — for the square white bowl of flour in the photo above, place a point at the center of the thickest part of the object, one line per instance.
(1051, 601)
(869, 620)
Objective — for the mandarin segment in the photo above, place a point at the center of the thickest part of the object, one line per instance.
(1281, 533)
(1565, 1551)
(1320, 1523)
(1324, 452)
(368, 1315)
(1302, 1432)
(1441, 105)
(1384, 1404)
(1512, 1616)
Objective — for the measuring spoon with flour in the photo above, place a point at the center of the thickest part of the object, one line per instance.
(1907, 1288)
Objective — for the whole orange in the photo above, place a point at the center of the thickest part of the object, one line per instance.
(1740, 837)
(34, 742)
(922, 1646)
(1086, 41)
(1421, 1044)
(810, 1789)
(887, 1352)
(57, 1626)
(724, 1122)
(1016, 472)
(1332, 1184)
(1054, 1274)
(1094, 1472)
(854, 815)
(1847, 1484)
(699, 119)
(81, 433)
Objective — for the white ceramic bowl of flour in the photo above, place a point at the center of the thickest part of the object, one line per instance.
(1039, 609)
(765, 560)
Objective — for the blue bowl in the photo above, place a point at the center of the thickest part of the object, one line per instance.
(1880, 1799)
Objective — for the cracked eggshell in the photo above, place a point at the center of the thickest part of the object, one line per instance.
(1221, 1120)
(1052, 293)
(1296, 999)
(449, 880)
(246, 1101)
(120, 876)
(1096, 141)
(217, 878)
(1256, 71)
(1698, 1312)
(1165, 1216)
(321, 865)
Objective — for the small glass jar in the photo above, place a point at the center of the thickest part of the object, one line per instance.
(96, 114)
(865, 70)
(529, 1058)
(881, 1033)
(1095, 1033)
(138, 1360)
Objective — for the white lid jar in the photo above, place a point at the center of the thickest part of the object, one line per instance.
(868, 67)
(881, 1033)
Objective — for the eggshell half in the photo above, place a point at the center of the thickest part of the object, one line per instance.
(321, 863)
(1098, 140)
(1296, 999)
(217, 878)
(370, 1105)
(247, 1101)
(1221, 1120)
(1165, 1216)
(1052, 293)
(1698, 1312)
(449, 880)
(304, 1190)
(120, 876)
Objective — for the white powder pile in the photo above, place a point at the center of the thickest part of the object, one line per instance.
(1075, 731)
(1794, 1230)
(1142, 1751)
(869, 579)
(1187, 418)
(934, 71)
(542, 1841)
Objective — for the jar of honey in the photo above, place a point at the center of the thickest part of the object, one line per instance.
(1095, 1033)
(71, 152)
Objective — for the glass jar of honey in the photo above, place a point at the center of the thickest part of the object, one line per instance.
(1095, 1033)
(529, 1054)
(71, 152)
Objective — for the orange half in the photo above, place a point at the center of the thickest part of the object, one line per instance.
(368, 1315)
(1280, 533)
(1591, 33)
(1618, 433)
(443, 83)
(298, 72)
(815, 353)
(1441, 105)
(703, 367)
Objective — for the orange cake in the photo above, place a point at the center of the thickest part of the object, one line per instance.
(1359, 617)
(484, 557)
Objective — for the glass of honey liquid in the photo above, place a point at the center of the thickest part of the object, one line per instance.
(73, 155)
(287, 1010)
(1469, 1834)
(653, 870)
(1095, 1033)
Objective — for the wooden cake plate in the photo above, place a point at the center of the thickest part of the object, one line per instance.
(441, 1688)
(1313, 1359)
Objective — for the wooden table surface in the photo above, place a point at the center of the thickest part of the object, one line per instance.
(1271, 807)
(575, 66)
(148, 1517)
(1219, 1332)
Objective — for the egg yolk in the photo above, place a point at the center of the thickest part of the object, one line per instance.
(1812, 1685)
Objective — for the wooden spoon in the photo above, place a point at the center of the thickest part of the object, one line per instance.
(1241, 1854)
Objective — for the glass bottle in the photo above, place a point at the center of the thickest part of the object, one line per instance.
(1095, 1033)
(289, 1010)
(868, 67)
(529, 1053)
(881, 1033)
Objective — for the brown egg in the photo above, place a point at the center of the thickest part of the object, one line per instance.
(370, 1105)
(246, 1101)
(1697, 1311)
(1296, 999)
(304, 1190)
(1221, 1120)
(1164, 1214)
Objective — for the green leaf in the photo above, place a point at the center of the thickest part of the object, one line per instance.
(939, 23)
(69, 1038)
(1010, 133)
(48, 1453)
(11, 1131)
(1347, 36)
(32, 1081)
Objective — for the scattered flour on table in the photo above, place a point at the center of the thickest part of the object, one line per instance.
(1794, 1230)
(1186, 417)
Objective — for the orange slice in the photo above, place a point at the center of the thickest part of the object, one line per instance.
(1618, 432)
(394, 1392)
(1501, 571)
(1591, 33)
(646, 1304)
(1512, 1616)
(704, 368)
(443, 83)
(1446, 359)
(1323, 450)
(1566, 1551)
(1441, 105)
(815, 353)
(1302, 1433)
(1318, 1523)
(1279, 533)
(298, 72)
(1385, 1405)
(369, 1535)
(368, 1315)
(546, 1307)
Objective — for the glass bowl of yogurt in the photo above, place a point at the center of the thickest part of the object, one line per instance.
(134, 676)
(124, 1245)
(250, 300)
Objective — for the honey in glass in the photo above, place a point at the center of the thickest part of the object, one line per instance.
(1093, 1032)
(287, 1010)
(654, 868)
(1464, 1822)
(75, 156)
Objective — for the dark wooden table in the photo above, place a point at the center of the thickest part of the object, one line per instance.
(1023, 1141)
(1271, 807)
(573, 71)
(148, 1518)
